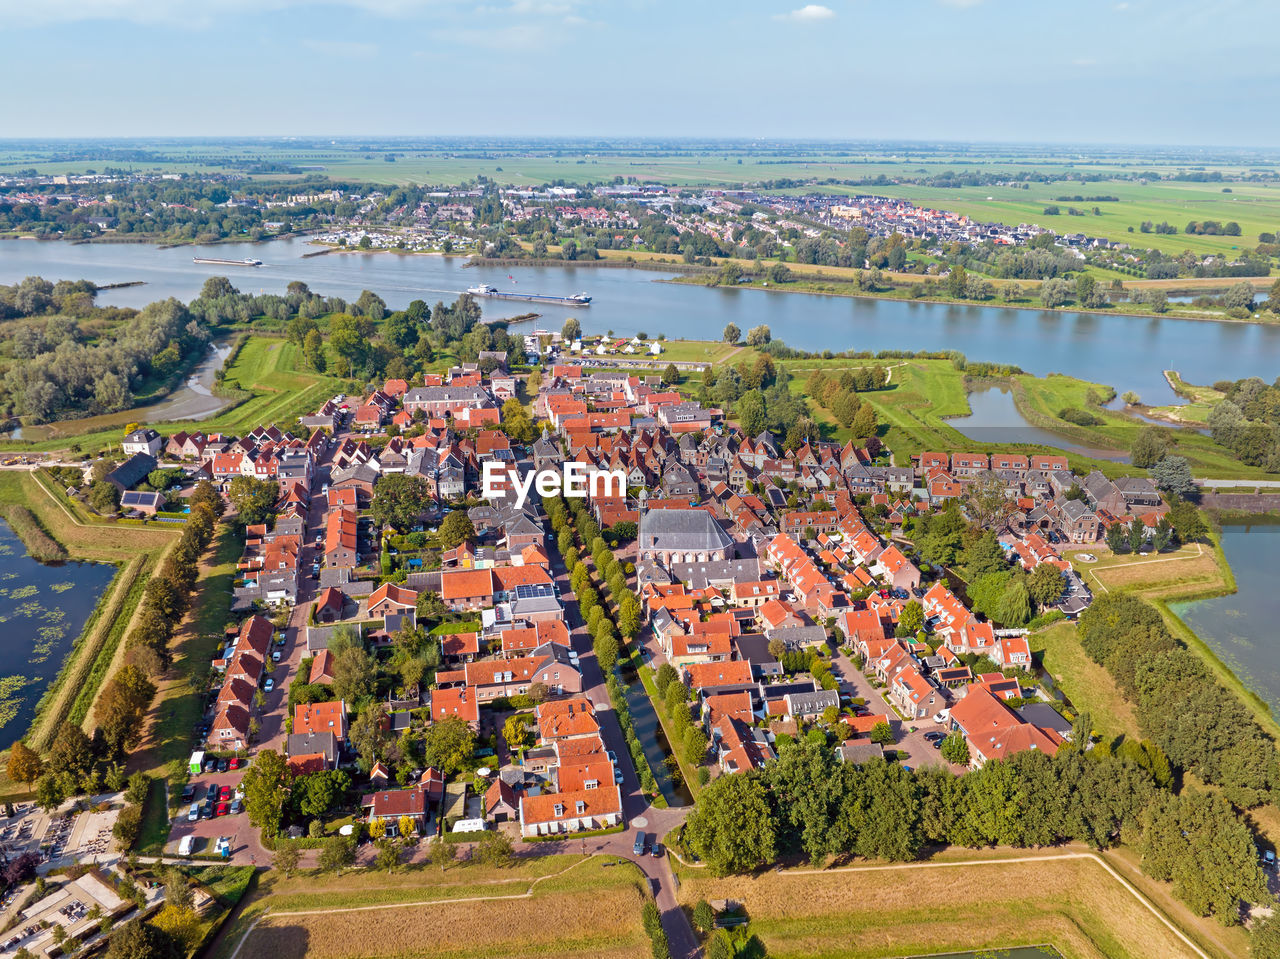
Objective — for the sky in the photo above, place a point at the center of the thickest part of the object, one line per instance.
(1083, 71)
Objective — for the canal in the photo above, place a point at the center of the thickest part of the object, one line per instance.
(1241, 628)
(44, 607)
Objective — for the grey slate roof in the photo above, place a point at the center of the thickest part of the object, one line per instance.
(681, 529)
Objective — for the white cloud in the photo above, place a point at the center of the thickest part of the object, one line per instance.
(809, 13)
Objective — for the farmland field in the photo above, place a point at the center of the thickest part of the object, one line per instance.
(879, 911)
(467, 912)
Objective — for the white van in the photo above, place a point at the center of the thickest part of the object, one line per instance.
(187, 845)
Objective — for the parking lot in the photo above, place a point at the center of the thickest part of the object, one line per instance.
(207, 829)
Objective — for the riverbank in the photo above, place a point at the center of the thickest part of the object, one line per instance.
(812, 288)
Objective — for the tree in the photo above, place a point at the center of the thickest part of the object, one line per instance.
(987, 500)
(1015, 603)
(1187, 521)
(71, 754)
(516, 734)
(388, 856)
(122, 706)
(494, 849)
(398, 499)
(731, 333)
(671, 375)
(1172, 475)
(1117, 540)
(1149, 446)
(313, 351)
(317, 793)
(864, 423)
(337, 853)
(704, 917)
(104, 498)
(456, 530)
(1045, 584)
(882, 734)
(441, 853)
(759, 335)
(286, 857)
(447, 744)
(695, 746)
(911, 618)
(265, 785)
(408, 827)
(1196, 841)
(752, 416)
(141, 940)
(955, 749)
(24, 765)
(572, 330)
(957, 281)
(180, 922)
(1137, 534)
(253, 500)
(1264, 937)
(733, 828)
(665, 677)
(1053, 292)
(355, 672)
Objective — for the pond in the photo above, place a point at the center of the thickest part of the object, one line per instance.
(1241, 628)
(994, 418)
(44, 607)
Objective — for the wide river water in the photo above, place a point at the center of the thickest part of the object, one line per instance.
(43, 607)
(1126, 352)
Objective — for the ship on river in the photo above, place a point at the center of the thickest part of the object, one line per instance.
(247, 261)
(484, 289)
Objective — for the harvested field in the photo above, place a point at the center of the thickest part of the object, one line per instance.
(910, 909)
(1089, 687)
(467, 912)
(1189, 569)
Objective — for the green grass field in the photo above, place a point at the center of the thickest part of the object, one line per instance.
(1089, 687)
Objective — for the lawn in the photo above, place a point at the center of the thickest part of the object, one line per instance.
(914, 909)
(417, 912)
(1192, 568)
(1089, 687)
(266, 380)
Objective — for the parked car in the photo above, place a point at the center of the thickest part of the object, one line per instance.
(236, 806)
(188, 792)
(206, 810)
(617, 775)
(222, 808)
(193, 814)
(211, 766)
(641, 842)
(234, 762)
(612, 758)
(225, 794)
(212, 793)
(223, 766)
(657, 850)
(269, 685)
(187, 845)
(275, 655)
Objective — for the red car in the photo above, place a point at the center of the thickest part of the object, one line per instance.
(235, 762)
(225, 794)
(221, 810)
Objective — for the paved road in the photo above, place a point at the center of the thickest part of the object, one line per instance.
(910, 735)
(1238, 483)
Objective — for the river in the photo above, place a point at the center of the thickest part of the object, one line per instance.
(1125, 352)
(44, 607)
(1241, 628)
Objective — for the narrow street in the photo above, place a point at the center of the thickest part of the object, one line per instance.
(637, 811)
